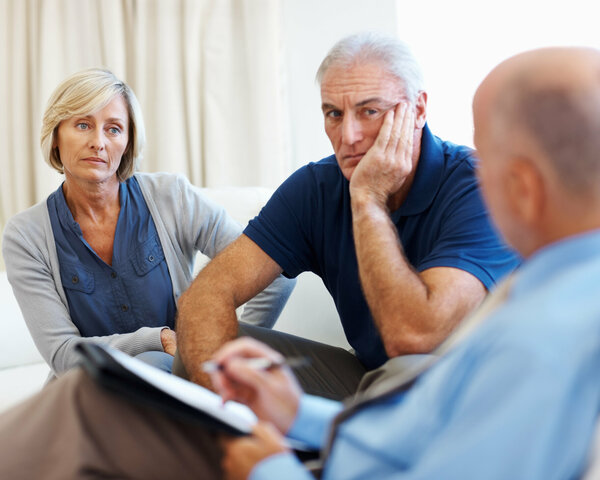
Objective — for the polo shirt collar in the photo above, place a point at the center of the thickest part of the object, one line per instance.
(428, 177)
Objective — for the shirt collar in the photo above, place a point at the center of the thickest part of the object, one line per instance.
(428, 177)
(64, 212)
(570, 252)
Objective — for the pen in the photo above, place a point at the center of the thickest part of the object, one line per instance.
(260, 363)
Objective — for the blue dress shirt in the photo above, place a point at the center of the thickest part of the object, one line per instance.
(518, 399)
(135, 291)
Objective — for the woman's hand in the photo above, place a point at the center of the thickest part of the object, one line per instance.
(168, 339)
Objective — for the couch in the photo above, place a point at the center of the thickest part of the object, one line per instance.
(310, 311)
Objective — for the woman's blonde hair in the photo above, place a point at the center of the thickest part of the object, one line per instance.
(83, 93)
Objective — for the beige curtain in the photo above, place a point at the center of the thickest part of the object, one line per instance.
(207, 74)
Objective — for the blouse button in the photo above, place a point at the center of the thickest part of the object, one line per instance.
(75, 279)
(113, 274)
(124, 308)
(151, 258)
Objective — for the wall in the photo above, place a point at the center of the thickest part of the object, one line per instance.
(459, 42)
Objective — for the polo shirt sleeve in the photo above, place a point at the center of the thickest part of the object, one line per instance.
(283, 228)
(466, 238)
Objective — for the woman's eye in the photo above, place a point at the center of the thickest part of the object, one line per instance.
(82, 126)
(114, 130)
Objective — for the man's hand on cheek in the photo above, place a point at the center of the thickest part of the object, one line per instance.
(241, 455)
(388, 163)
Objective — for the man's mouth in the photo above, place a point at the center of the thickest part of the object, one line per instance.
(353, 158)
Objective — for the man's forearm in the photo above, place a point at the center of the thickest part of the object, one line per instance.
(206, 320)
(397, 296)
(206, 311)
(414, 311)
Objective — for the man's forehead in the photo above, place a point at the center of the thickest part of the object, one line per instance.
(361, 85)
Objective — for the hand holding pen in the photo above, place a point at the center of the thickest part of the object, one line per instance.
(247, 371)
(260, 363)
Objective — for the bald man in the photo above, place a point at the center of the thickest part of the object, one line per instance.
(516, 393)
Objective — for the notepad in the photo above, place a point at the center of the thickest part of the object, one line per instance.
(149, 386)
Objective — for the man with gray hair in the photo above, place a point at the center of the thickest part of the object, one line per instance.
(397, 232)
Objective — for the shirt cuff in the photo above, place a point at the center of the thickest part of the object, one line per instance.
(312, 423)
(282, 465)
(147, 339)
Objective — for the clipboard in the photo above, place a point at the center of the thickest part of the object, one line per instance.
(141, 383)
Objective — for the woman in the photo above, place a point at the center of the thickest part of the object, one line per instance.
(106, 256)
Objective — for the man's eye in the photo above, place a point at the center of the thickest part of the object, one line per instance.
(333, 114)
(371, 111)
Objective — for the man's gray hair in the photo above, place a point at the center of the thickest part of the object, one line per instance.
(368, 47)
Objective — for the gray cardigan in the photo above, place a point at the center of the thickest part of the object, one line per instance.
(186, 222)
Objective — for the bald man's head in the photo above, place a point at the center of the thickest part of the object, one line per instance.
(537, 132)
(547, 99)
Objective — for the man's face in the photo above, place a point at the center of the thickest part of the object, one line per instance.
(354, 102)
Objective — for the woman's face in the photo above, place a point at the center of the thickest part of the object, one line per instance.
(91, 146)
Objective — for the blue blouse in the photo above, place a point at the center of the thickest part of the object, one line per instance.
(135, 291)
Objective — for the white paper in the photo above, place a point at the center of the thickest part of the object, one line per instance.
(231, 413)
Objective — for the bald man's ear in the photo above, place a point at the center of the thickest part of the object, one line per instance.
(421, 110)
(525, 190)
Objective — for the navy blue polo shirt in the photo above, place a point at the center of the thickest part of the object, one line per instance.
(307, 226)
(135, 291)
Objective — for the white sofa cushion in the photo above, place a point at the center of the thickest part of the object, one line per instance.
(22, 369)
(18, 349)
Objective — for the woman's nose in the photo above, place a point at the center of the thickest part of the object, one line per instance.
(96, 141)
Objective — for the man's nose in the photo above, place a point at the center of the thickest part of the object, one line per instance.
(351, 130)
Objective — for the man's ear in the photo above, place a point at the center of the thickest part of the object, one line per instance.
(526, 190)
(421, 110)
